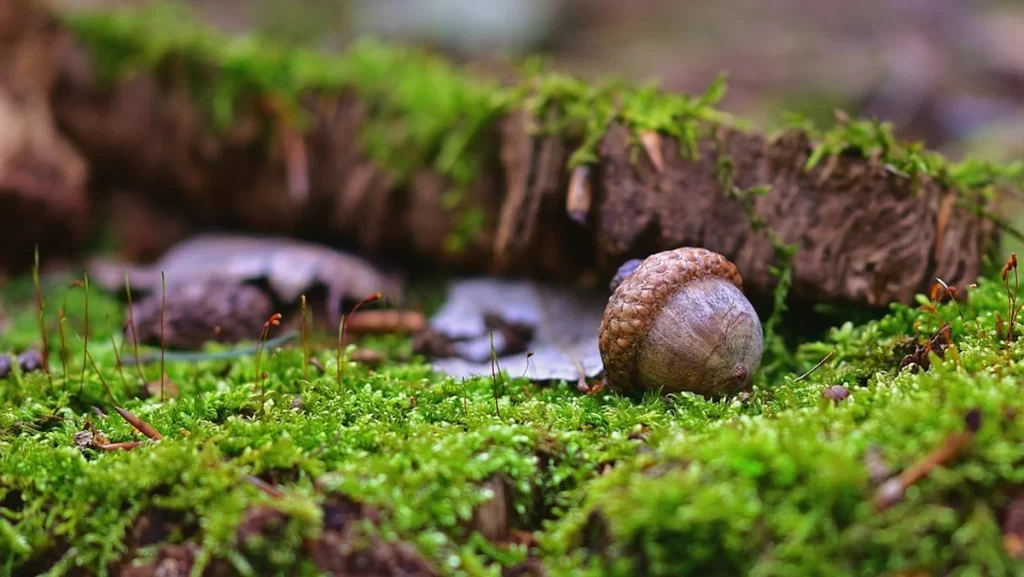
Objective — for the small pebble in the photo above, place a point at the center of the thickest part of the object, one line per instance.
(30, 360)
(624, 270)
(837, 393)
(5, 366)
(83, 439)
(890, 492)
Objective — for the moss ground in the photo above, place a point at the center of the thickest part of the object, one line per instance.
(770, 485)
(775, 483)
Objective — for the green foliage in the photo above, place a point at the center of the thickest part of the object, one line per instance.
(788, 491)
(769, 485)
(774, 484)
(874, 139)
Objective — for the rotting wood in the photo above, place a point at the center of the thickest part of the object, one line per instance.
(866, 234)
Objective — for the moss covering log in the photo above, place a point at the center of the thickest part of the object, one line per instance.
(404, 156)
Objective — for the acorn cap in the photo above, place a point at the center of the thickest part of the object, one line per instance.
(639, 298)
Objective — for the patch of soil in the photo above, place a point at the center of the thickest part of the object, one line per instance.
(343, 549)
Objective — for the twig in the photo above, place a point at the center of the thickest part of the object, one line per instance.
(816, 367)
(1011, 264)
(890, 492)
(263, 486)
(951, 292)
(386, 321)
(341, 338)
(106, 387)
(140, 425)
(120, 367)
(125, 446)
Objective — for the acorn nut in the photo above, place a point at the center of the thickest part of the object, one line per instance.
(678, 321)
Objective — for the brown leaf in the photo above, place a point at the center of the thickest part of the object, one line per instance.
(938, 344)
(1013, 528)
(561, 345)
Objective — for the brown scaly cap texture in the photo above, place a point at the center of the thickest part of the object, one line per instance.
(638, 300)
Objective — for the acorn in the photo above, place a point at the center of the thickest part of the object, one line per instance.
(678, 321)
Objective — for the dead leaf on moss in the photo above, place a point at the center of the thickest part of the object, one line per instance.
(540, 331)
(918, 360)
(1013, 528)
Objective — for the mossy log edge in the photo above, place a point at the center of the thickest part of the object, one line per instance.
(863, 232)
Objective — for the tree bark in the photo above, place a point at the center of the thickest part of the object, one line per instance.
(865, 235)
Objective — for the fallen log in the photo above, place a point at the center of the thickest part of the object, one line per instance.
(43, 197)
(405, 157)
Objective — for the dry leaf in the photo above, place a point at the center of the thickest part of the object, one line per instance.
(564, 326)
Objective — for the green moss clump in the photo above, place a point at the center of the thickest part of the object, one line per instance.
(775, 483)
(874, 139)
(789, 491)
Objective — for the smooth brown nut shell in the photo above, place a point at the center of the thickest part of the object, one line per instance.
(680, 322)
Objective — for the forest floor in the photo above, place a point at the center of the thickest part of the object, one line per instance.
(888, 447)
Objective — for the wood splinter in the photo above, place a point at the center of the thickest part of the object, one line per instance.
(652, 144)
(577, 201)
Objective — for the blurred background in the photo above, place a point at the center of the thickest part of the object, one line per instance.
(948, 72)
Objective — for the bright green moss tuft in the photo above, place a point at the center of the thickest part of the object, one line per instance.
(788, 491)
(776, 482)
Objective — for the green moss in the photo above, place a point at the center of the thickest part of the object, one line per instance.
(770, 485)
(788, 491)
(775, 482)
(874, 139)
